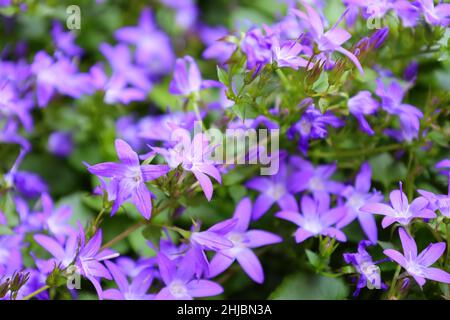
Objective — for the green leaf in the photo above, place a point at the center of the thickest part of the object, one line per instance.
(321, 84)
(4, 230)
(313, 258)
(222, 75)
(302, 286)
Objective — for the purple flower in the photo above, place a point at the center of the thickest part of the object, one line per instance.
(435, 15)
(257, 48)
(313, 179)
(313, 125)
(117, 90)
(392, 97)
(400, 210)
(287, 54)
(10, 254)
(137, 290)
(186, 12)
(193, 156)
(212, 239)
(356, 197)
(56, 220)
(123, 68)
(273, 189)
(187, 78)
(127, 179)
(360, 105)
(216, 48)
(418, 266)
(369, 273)
(316, 218)
(86, 257)
(13, 106)
(243, 241)
(153, 48)
(329, 41)
(179, 281)
(60, 143)
(65, 41)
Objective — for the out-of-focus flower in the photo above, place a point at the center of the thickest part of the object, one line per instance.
(127, 179)
(356, 197)
(137, 290)
(313, 125)
(65, 41)
(217, 48)
(187, 78)
(400, 210)
(257, 47)
(435, 15)
(313, 179)
(418, 266)
(315, 218)
(273, 189)
(180, 282)
(360, 105)
(370, 276)
(60, 143)
(243, 241)
(153, 47)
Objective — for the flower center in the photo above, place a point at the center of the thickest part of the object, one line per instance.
(276, 191)
(178, 289)
(356, 201)
(305, 127)
(238, 240)
(316, 184)
(414, 268)
(313, 226)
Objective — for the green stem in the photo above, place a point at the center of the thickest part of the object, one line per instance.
(391, 292)
(348, 153)
(31, 295)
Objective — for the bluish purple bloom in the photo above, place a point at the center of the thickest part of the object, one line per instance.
(243, 241)
(418, 266)
(65, 41)
(358, 195)
(329, 41)
(313, 125)
(180, 283)
(60, 143)
(187, 78)
(217, 48)
(127, 179)
(435, 15)
(360, 105)
(136, 290)
(257, 47)
(193, 156)
(315, 218)
(313, 179)
(153, 47)
(370, 276)
(272, 189)
(400, 210)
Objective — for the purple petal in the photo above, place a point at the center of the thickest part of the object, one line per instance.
(51, 246)
(262, 205)
(301, 235)
(220, 263)
(259, 238)
(369, 226)
(126, 154)
(334, 233)
(167, 268)
(142, 200)
(152, 172)
(107, 169)
(363, 179)
(291, 216)
(243, 214)
(205, 183)
(396, 256)
(203, 288)
(118, 276)
(431, 254)
(251, 265)
(437, 275)
(378, 208)
(408, 244)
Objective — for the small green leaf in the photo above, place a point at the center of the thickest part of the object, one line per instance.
(313, 258)
(321, 84)
(222, 75)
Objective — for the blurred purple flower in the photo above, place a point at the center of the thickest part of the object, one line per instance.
(360, 105)
(60, 143)
(180, 283)
(65, 41)
(187, 78)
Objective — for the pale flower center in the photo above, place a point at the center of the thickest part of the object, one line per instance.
(237, 239)
(313, 226)
(356, 201)
(305, 126)
(276, 191)
(316, 184)
(414, 268)
(178, 289)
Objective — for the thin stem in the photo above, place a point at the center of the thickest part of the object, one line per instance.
(391, 293)
(123, 235)
(31, 295)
